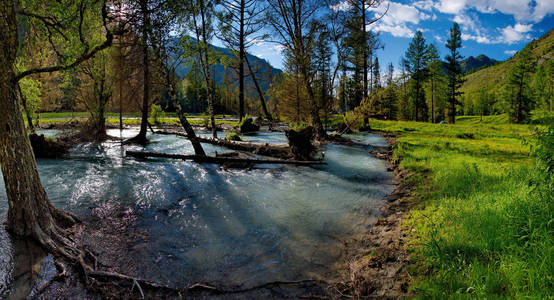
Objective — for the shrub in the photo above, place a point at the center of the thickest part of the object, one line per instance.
(233, 136)
(157, 113)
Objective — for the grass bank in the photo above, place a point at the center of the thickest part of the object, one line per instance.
(484, 225)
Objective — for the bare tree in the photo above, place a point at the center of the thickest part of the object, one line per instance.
(198, 16)
(241, 24)
(294, 26)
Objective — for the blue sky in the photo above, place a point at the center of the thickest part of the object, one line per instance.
(496, 28)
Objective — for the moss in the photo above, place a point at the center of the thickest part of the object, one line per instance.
(233, 136)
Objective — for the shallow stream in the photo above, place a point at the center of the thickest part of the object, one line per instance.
(181, 222)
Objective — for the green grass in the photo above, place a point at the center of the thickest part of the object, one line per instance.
(483, 228)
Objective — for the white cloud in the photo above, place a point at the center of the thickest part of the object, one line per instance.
(341, 6)
(451, 6)
(278, 48)
(397, 18)
(508, 35)
(516, 33)
(424, 4)
(510, 52)
(439, 39)
(522, 10)
(482, 39)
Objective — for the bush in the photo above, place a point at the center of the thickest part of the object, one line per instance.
(247, 125)
(157, 113)
(233, 136)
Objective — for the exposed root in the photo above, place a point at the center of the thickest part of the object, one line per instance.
(137, 140)
(139, 288)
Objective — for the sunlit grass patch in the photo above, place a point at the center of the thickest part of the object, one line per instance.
(482, 230)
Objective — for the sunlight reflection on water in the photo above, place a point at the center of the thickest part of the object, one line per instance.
(184, 222)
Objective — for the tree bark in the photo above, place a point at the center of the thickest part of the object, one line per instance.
(241, 62)
(141, 137)
(30, 212)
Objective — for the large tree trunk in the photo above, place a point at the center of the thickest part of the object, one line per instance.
(141, 137)
(241, 62)
(30, 212)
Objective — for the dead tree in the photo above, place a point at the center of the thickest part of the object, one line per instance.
(259, 90)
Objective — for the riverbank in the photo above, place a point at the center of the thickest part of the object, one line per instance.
(474, 220)
(377, 263)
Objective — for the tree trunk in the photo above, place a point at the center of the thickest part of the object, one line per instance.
(198, 149)
(260, 93)
(30, 213)
(365, 52)
(141, 137)
(241, 62)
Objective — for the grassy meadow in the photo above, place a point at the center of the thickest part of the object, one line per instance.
(483, 226)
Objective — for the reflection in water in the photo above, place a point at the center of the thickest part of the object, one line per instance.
(182, 222)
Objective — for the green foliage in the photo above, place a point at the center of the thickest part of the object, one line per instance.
(485, 227)
(233, 136)
(157, 113)
(544, 85)
(518, 92)
(31, 90)
(493, 79)
(454, 71)
(416, 60)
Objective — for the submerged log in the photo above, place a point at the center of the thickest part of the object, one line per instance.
(222, 160)
(273, 150)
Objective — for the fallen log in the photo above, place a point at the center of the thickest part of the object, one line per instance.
(273, 150)
(223, 160)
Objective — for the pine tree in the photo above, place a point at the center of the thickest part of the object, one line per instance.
(454, 71)
(518, 85)
(544, 85)
(416, 60)
(376, 75)
(435, 78)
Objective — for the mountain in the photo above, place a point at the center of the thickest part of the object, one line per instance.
(261, 67)
(493, 79)
(472, 64)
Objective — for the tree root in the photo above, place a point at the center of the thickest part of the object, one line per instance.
(60, 241)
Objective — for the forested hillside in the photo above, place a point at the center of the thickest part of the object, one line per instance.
(493, 79)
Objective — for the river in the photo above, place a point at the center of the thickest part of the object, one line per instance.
(181, 222)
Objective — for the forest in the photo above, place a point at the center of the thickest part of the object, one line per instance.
(148, 152)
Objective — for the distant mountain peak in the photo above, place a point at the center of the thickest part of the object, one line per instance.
(472, 64)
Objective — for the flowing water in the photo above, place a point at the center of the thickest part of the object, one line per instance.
(181, 222)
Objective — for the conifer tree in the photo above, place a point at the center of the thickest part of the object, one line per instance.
(416, 60)
(454, 71)
(519, 86)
